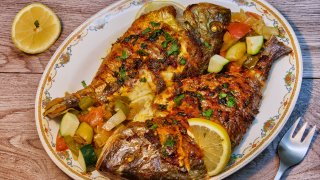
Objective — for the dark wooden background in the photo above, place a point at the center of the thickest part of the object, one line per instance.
(21, 153)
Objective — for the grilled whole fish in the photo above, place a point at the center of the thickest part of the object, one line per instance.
(157, 49)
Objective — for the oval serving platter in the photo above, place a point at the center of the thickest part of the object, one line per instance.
(79, 56)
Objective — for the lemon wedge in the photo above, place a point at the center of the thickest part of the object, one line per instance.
(35, 28)
(214, 141)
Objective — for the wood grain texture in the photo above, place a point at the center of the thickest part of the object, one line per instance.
(21, 153)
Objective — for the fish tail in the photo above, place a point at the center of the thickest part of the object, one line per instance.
(273, 50)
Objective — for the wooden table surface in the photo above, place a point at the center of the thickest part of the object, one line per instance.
(21, 153)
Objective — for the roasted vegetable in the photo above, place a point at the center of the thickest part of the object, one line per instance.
(255, 22)
(95, 116)
(69, 124)
(238, 29)
(115, 120)
(121, 105)
(60, 143)
(72, 145)
(216, 63)
(86, 102)
(254, 44)
(87, 157)
(236, 52)
(84, 134)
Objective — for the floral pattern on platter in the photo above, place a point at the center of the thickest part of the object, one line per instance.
(100, 23)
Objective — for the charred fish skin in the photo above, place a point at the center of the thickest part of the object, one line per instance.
(137, 152)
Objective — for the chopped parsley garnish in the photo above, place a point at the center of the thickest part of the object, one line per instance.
(207, 44)
(162, 107)
(84, 84)
(174, 49)
(228, 99)
(175, 122)
(154, 24)
(154, 126)
(164, 152)
(207, 113)
(155, 34)
(142, 52)
(200, 96)
(231, 101)
(135, 37)
(164, 44)
(225, 85)
(122, 73)
(124, 55)
(169, 142)
(143, 79)
(36, 23)
(182, 61)
(146, 31)
(222, 95)
(167, 36)
(167, 41)
(177, 100)
(143, 46)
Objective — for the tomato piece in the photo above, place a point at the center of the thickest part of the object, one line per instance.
(238, 30)
(60, 143)
(95, 116)
(255, 15)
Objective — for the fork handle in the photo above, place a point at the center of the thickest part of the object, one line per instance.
(281, 170)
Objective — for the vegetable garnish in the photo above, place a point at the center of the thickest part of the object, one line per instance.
(142, 52)
(154, 24)
(177, 100)
(154, 126)
(146, 31)
(182, 61)
(155, 34)
(122, 73)
(222, 95)
(169, 142)
(231, 101)
(228, 99)
(174, 49)
(207, 113)
(84, 84)
(143, 45)
(238, 30)
(208, 45)
(217, 63)
(143, 79)
(124, 55)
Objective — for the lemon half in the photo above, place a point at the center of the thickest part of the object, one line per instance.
(35, 28)
(214, 141)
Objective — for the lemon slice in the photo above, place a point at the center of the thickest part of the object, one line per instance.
(214, 141)
(35, 28)
(157, 4)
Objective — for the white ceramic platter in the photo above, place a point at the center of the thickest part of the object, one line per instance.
(79, 57)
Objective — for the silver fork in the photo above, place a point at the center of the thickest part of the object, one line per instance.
(292, 150)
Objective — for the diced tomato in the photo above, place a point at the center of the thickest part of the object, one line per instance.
(238, 30)
(94, 116)
(257, 16)
(60, 143)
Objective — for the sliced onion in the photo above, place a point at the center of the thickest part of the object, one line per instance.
(115, 120)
